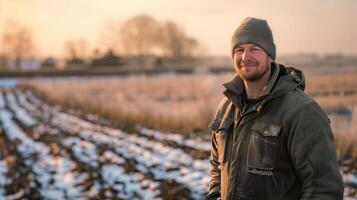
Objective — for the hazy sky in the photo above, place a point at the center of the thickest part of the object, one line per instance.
(299, 26)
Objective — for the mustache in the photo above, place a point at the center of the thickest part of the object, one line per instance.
(248, 63)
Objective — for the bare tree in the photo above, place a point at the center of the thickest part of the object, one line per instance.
(177, 44)
(146, 39)
(17, 42)
(173, 40)
(141, 36)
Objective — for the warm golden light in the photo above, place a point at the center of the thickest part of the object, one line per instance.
(299, 26)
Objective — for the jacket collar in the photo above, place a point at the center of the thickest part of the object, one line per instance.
(236, 84)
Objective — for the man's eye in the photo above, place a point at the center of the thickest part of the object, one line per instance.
(255, 49)
(239, 50)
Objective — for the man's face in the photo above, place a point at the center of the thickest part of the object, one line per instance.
(251, 62)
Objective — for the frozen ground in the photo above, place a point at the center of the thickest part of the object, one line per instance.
(47, 153)
(61, 156)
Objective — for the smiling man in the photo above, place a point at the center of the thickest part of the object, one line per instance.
(270, 141)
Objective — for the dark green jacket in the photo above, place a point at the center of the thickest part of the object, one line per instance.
(279, 147)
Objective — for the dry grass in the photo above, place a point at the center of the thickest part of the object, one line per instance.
(345, 133)
(337, 95)
(332, 84)
(185, 103)
(169, 102)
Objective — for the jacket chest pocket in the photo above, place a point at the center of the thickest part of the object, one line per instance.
(263, 147)
(221, 130)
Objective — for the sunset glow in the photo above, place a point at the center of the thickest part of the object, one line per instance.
(299, 26)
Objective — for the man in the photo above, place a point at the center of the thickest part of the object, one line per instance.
(270, 140)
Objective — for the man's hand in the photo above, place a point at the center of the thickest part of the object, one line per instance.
(216, 196)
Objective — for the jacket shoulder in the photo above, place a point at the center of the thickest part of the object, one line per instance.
(222, 108)
(297, 101)
(298, 98)
(223, 116)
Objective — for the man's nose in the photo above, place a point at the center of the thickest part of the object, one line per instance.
(245, 55)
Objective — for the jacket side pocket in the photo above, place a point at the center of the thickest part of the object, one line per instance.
(221, 129)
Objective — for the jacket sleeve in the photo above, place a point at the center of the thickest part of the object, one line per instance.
(313, 155)
(215, 172)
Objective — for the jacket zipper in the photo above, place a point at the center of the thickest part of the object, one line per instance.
(236, 181)
(243, 147)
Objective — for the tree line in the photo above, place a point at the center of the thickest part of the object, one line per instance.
(141, 40)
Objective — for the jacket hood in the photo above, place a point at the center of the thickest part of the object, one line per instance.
(297, 75)
(289, 78)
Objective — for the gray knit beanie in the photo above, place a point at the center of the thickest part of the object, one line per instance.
(255, 31)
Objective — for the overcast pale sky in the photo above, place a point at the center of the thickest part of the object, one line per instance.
(299, 26)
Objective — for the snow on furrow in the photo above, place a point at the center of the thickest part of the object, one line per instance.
(128, 186)
(3, 179)
(35, 101)
(152, 157)
(162, 161)
(84, 151)
(166, 163)
(53, 173)
(23, 102)
(350, 179)
(195, 143)
(2, 101)
(34, 106)
(20, 113)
